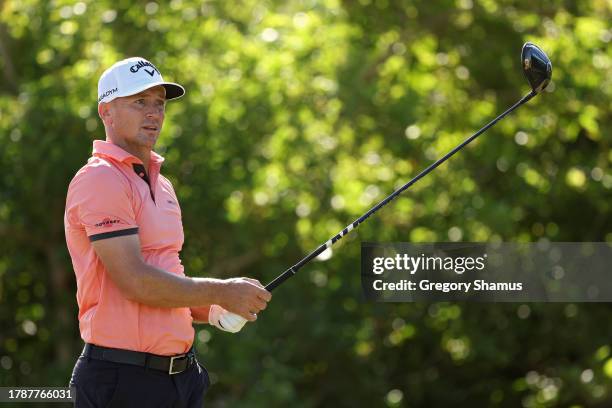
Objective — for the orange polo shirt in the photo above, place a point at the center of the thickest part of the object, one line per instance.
(112, 196)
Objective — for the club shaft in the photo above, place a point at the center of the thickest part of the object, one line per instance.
(292, 271)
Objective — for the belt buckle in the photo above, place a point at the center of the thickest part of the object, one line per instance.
(170, 371)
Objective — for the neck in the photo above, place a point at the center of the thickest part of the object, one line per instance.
(142, 152)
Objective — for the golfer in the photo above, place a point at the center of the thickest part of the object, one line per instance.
(124, 234)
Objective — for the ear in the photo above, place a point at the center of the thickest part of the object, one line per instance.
(104, 111)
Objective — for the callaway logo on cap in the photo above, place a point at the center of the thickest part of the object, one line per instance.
(130, 76)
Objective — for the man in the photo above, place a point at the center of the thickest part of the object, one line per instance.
(124, 234)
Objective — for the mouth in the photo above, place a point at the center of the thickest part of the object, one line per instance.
(151, 128)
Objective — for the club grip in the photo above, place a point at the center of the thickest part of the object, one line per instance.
(280, 279)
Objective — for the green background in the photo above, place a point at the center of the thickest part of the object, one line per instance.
(298, 117)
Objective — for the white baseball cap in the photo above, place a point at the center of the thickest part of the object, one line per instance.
(130, 76)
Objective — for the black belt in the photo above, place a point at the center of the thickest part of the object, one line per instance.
(170, 364)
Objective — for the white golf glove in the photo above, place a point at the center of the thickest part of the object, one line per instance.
(224, 320)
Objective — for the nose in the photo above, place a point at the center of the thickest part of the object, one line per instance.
(154, 112)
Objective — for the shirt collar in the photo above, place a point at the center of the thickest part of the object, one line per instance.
(109, 149)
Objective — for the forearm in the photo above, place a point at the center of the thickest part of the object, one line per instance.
(155, 287)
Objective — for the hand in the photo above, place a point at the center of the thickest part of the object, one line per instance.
(243, 296)
(224, 320)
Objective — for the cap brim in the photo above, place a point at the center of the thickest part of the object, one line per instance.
(173, 90)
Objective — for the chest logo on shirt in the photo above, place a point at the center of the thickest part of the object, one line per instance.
(107, 223)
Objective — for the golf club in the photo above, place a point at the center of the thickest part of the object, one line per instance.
(538, 71)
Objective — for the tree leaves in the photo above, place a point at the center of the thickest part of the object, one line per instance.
(298, 117)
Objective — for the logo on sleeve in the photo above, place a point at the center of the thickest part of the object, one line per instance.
(107, 223)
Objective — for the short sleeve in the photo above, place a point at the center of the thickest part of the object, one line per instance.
(100, 200)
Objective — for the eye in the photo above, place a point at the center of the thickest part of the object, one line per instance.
(139, 101)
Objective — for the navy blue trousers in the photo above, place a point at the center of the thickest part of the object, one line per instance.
(103, 384)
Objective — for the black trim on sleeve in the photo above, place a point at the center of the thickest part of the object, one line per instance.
(112, 234)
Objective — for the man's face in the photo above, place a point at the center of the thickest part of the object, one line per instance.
(137, 120)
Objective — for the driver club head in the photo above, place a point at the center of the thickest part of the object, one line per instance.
(536, 67)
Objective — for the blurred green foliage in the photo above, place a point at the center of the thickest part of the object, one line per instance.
(299, 116)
